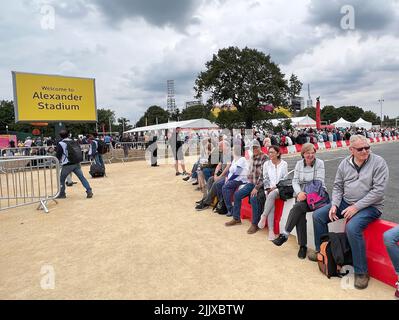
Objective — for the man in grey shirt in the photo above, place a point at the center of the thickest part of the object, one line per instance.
(358, 196)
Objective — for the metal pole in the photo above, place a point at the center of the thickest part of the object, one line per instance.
(381, 101)
(110, 127)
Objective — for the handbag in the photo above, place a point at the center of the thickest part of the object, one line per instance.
(285, 189)
(316, 195)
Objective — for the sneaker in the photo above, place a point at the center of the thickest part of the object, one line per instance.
(195, 183)
(361, 281)
(198, 202)
(62, 196)
(397, 290)
(185, 173)
(232, 223)
(312, 255)
(178, 173)
(186, 178)
(280, 240)
(302, 252)
(202, 206)
(253, 229)
(69, 184)
(89, 194)
(262, 222)
(272, 235)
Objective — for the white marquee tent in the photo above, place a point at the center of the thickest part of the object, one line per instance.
(188, 124)
(363, 124)
(342, 123)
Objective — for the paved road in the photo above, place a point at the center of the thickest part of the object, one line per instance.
(389, 151)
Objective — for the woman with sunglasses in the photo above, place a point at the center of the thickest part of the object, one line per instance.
(274, 170)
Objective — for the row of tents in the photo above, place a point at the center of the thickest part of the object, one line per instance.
(204, 124)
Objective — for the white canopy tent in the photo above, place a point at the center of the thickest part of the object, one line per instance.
(296, 121)
(363, 124)
(304, 122)
(342, 123)
(188, 124)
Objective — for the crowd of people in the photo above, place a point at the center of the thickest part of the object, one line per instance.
(226, 177)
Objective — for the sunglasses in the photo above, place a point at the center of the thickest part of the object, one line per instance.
(361, 149)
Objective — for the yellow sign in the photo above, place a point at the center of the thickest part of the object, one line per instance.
(48, 98)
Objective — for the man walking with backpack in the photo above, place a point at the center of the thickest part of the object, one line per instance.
(70, 155)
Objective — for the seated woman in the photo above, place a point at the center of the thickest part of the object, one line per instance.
(306, 170)
(238, 175)
(274, 170)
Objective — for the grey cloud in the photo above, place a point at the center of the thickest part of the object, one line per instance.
(370, 15)
(160, 13)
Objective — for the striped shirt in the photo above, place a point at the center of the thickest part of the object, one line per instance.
(255, 175)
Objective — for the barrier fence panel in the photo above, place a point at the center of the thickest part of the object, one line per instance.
(29, 180)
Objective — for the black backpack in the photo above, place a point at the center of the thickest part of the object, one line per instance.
(96, 170)
(325, 258)
(102, 147)
(75, 154)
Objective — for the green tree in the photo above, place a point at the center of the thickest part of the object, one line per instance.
(370, 117)
(329, 113)
(350, 113)
(123, 125)
(311, 112)
(152, 115)
(229, 119)
(245, 77)
(195, 112)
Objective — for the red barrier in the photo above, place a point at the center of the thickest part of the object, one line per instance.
(377, 139)
(298, 147)
(327, 144)
(384, 139)
(283, 150)
(339, 144)
(371, 140)
(378, 261)
(347, 142)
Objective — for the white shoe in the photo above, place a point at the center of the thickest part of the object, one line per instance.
(262, 222)
(272, 236)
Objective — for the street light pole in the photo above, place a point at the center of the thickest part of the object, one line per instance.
(381, 101)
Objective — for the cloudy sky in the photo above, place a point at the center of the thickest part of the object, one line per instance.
(132, 47)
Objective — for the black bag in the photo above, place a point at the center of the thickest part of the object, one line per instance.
(334, 254)
(221, 207)
(75, 154)
(102, 147)
(285, 189)
(96, 170)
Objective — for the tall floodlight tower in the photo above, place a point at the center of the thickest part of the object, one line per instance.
(309, 103)
(171, 102)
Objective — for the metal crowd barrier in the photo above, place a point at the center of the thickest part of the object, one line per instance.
(125, 151)
(29, 180)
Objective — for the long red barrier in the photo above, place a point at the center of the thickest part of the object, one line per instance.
(379, 264)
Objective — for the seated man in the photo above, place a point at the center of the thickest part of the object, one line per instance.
(251, 188)
(217, 181)
(358, 196)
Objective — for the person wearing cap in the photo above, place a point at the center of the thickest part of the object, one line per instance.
(251, 188)
(306, 170)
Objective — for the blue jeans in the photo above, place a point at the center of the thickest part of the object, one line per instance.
(76, 169)
(208, 172)
(98, 158)
(354, 230)
(228, 190)
(241, 194)
(391, 239)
